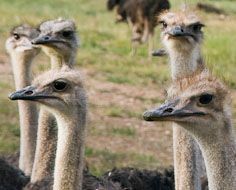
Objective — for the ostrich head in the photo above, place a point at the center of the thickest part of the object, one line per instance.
(19, 41)
(61, 92)
(202, 107)
(181, 30)
(58, 37)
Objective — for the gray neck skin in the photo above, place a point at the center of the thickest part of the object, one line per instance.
(47, 129)
(27, 112)
(70, 151)
(188, 162)
(219, 151)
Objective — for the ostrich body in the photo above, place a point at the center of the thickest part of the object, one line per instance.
(203, 109)
(58, 40)
(182, 37)
(11, 178)
(133, 178)
(22, 53)
(62, 93)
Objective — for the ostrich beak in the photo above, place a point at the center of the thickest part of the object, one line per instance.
(29, 93)
(178, 31)
(45, 39)
(170, 112)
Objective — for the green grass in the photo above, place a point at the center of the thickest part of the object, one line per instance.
(130, 132)
(116, 111)
(113, 130)
(110, 159)
(9, 136)
(104, 51)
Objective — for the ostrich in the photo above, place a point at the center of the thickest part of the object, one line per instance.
(203, 109)
(62, 94)
(59, 41)
(182, 37)
(141, 17)
(22, 53)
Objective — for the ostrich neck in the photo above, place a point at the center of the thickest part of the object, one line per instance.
(185, 62)
(188, 161)
(219, 151)
(27, 112)
(70, 150)
(58, 61)
(187, 164)
(46, 147)
(21, 65)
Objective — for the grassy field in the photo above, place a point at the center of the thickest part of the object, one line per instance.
(120, 87)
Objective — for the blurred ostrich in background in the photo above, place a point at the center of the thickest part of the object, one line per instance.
(141, 17)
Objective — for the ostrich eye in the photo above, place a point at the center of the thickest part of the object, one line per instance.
(164, 24)
(197, 27)
(67, 34)
(205, 99)
(16, 36)
(59, 85)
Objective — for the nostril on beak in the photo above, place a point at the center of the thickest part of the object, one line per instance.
(179, 29)
(168, 110)
(29, 92)
(46, 38)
